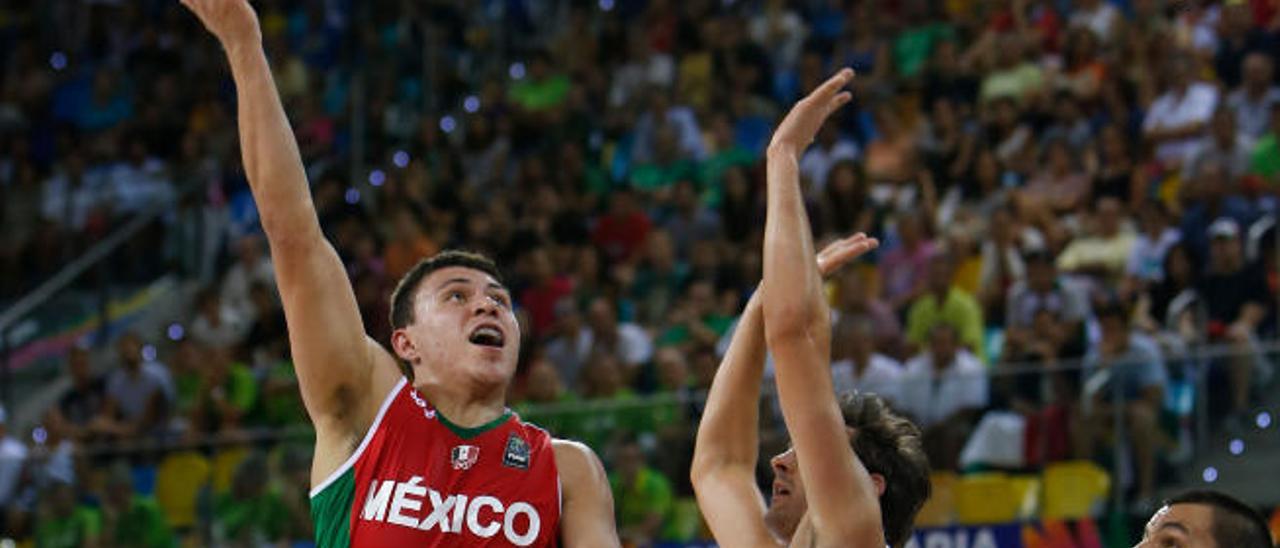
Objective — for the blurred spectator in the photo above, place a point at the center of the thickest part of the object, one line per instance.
(1236, 296)
(660, 278)
(1044, 289)
(1145, 266)
(13, 457)
(857, 299)
(1100, 17)
(944, 303)
(1223, 144)
(228, 393)
(642, 496)
(627, 342)
(294, 485)
(855, 364)
(1002, 265)
(829, 149)
(943, 388)
(63, 522)
(1252, 101)
(216, 325)
(904, 267)
(1213, 196)
(1125, 369)
(139, 394)
(252, 267)
(84, 400)
(252, 513)
(129, 519)
(1179, 113)
(1265, 153)
(1103, 251)
(1061, 187)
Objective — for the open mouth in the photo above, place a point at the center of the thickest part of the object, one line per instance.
(780, 490)
(487, 335)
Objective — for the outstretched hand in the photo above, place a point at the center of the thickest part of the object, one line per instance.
(233, 21)
(843, 251)
(798, 129)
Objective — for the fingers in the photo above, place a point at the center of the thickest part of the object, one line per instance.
(833, 85)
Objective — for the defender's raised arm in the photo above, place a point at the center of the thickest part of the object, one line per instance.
(842, 499)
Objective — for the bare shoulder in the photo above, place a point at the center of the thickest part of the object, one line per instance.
(577, 463)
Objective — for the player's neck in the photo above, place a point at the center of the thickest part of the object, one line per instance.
(468, 410)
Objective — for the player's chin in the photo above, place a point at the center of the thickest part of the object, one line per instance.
(496, 360)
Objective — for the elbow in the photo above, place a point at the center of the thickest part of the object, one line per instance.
(793, 321)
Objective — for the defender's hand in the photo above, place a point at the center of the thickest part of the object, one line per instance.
(798, 129)
(233, 21)
(843, 251)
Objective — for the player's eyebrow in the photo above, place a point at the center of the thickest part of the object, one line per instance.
(452, 281)
(1174, 525)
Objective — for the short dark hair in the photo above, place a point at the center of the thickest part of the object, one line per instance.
(1235, 523)
(889, 445)
(402, 297)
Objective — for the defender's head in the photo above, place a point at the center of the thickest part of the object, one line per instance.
(888, 445)
(453, 322)
(1206, 519)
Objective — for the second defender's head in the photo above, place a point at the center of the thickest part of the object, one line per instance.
(889, 447)
(454, 323)
(1206, 519)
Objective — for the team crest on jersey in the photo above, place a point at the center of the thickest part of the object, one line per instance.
(517, 453)
(463, 456)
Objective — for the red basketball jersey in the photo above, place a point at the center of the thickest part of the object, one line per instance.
(418, 480)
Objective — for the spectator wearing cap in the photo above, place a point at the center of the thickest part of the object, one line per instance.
(1124, 368)
(1237, 297)
(1251, 102)
(1212, 196)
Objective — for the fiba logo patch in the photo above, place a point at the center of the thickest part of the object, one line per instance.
(463, 456)
(517, 453)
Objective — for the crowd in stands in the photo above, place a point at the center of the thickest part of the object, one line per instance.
(1071, 196)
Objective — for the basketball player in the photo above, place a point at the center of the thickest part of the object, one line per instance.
(436, 461)
(1206, 519)
(856, 474)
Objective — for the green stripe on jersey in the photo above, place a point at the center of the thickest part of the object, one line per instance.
(331, 511)
(468, 433)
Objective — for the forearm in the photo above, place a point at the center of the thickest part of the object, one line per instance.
(728, 431)
(269, 150)
(792, 300)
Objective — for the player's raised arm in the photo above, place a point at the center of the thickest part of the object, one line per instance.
(841, 497)
(335, 361)
(724, 456)
(727, 446)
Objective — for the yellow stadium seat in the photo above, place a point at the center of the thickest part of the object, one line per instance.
(1074, 489)
(988, 498)
(224, 467)
(179, 480)
(940, 509)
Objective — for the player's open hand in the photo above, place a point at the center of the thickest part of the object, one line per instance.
(233, 21)
(843, 251)
(800, 126)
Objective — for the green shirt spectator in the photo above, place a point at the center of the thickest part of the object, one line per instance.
(958, 309)
(252, 511)
(281, 400)
(1265, 160)
(642, 496)
(913, 46)
(541, 91)
(142, 525)
(66, 524)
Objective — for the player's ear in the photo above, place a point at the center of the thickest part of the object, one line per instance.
(403, 346)
(878, 480)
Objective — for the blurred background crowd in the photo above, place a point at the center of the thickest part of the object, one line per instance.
(1072, 196)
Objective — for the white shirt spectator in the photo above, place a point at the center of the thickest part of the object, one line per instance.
(1146, 260)
(68, 205)
(783, 33)
(1252, 114)
(931, 396)
(134, 188)
(1170, 110)
(1100, 19)
(634, 348)
(13, 456)
(230, 329)
(883, 377)
(240, 278)
(133, 393)
(682, 120)
(818, 161)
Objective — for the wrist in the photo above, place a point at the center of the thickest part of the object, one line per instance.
(782, 150)
(241, 44)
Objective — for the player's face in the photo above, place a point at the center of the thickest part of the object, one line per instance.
(787, 504)
(464, 330)
(1180, 526)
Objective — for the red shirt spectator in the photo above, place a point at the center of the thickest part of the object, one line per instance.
(622, 232)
